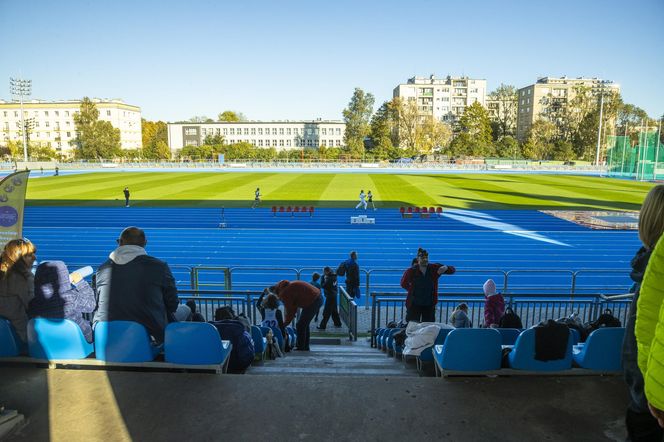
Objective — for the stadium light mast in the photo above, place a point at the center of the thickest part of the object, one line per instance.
(601, 109)
(21, 87)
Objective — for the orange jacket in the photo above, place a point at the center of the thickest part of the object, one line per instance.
(294, 295)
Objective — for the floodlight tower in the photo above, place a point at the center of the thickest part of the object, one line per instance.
(21, 88)
(601, 109)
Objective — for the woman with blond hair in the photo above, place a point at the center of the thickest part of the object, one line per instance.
(17, 283)
(641, 426)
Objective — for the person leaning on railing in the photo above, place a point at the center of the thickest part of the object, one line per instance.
(639, 422)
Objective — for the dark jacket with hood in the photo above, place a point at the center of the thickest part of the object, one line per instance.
(132, 286)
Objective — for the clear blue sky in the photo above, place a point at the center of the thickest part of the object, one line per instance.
(302, 59)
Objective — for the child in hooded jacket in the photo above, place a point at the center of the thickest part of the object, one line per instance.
(459, 318)
(494, 305)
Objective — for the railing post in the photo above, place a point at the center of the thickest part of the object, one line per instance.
(573, 284)
(366, 301)
(194, 278)
(373, 320)
(228, 279)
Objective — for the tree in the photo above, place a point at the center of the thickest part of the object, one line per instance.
(431, 134)
(406, 117)
(94, 138)
(382, 128)
(231, 116)
(563, 151)
(506, 97)
(155, 136)
(357, 117)
(200, 119)
(475, 137)
(539, 143)
(508, 147)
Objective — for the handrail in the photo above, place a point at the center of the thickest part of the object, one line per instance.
(348, 313)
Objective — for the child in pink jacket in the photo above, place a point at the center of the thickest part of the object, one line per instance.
(494, 305)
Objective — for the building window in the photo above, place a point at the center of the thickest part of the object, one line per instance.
(281, 143)
(225, 131)
(274, 131)
(281, 131)
(309, 143)
(108, 113)
(338, 143)
(260, 143)
(46, 113)
(66, 113)
(260, 131)
(288, 131)
(246, 131)
(232, 131)
(253, 131)
(57, 113)
(68, 134)
(288, 143)
(218, 132)
(48, 124)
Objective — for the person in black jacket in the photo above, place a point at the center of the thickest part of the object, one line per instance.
(132, 286)
(351, 269)
(329, 285)
(126, 195)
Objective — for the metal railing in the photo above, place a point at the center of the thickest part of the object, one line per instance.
(348, 313)
(531, 308)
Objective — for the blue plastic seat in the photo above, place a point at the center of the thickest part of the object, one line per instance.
(123, 341)
(55, 339)
(522, 356)
(260, 342)
(292, 336)
(10, 343)
(509, 335)
(576, 336)
(427, 354)
(470, 349)
(602, 350)
(389, 342)
(195, 343)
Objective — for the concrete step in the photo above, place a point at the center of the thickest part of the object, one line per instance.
(346, 359)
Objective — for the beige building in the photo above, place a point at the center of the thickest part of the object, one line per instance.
(446, 98)
(282, 135)
(52, 122)
(534, 100)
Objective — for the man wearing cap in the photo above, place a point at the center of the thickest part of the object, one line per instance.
(421, 282)
(294, 295)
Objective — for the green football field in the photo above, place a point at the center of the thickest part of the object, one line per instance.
(236, 189)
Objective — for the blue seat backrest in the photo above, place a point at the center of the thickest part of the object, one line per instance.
(522, 356)
(257, 337)
(602, 350)
(276, 333)
(57, 339)
(10, 344)
(509, 335)
(194, 343)
(472, 349)
(123, 341)
(427, 353)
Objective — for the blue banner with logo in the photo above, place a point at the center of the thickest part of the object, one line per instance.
(12, 201)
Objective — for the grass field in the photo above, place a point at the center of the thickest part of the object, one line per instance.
(236, 189)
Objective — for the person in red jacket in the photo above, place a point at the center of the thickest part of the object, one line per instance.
(421, 282)
(294, 295)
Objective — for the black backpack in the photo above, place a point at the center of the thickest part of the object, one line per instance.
(510, 320)
(606, 319)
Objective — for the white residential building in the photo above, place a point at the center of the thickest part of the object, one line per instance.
(535, 100)
(52, 122)
(282, 135)
(445, 99)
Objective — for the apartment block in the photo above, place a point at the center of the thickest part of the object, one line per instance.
(282, 135)
(446, 98)
(534, 101)
(52, 122)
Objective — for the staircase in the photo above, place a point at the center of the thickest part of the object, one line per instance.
(335, 357)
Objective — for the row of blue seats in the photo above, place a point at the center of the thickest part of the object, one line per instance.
(185, 343)
(451, 350)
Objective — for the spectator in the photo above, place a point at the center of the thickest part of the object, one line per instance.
(59, 295)
(421, 282)
(233, 330)
(195, 315)
(126, 195)
(268, 306)
(650, 334)
(329, 283)
(132, 286)
(315, 277)
(17, 284)
(351, 270)
(459, 318)
(641, 426)
(494, 305)
(294, 295)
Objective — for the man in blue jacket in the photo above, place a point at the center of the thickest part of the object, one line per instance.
(132, 286)
(351, 269)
